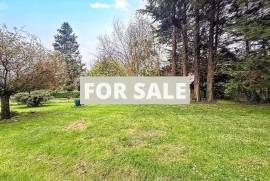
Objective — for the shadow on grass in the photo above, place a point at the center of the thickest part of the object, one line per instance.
(25, 117)
(22, 107)
(24, 113)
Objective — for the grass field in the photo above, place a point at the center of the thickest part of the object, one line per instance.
(225, 141)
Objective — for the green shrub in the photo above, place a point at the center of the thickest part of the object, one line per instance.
(59, 94)
(74, 94)
(65, 94)
(21, 97)
(34, 99)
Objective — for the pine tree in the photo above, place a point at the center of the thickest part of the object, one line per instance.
(67, 45)
(183, 7)
(165, 13)
(196, 49)
(249, 26)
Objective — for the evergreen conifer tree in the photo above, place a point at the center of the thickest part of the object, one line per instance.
(66, 43)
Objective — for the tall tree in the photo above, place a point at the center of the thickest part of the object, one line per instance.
(166, 14)
(211, 54)
(196, 50)
(217, 15)
(223, 30)
(174, 52)
(66, 43)
(183, 6)
(133, 46)
(249, 27)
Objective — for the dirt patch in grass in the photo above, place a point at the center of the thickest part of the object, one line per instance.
(140, 138)
(172, 153)
(137, 144)
(81, 168)
(133, 142)
(145, 134)
(124, 174)
(254, 161)
(79, 125)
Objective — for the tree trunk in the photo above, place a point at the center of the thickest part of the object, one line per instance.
(247, 47)
(217, 32)
(185, 42)
(5, 108)
(264, 44)
(211, 55)
(268, 95)
(196, 62)
(174, 53)
(247, 42)
(185, 51)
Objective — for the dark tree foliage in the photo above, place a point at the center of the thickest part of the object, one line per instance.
(250, 73)
(226, 42)
(66, 43)
(168, 15)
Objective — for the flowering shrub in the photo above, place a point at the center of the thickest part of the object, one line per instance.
(34, 99)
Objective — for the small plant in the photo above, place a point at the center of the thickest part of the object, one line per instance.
(33, 99)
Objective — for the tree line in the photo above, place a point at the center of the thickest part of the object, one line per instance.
(220, 42)
(223, 43)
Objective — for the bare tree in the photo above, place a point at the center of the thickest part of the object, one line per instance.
(134, 46)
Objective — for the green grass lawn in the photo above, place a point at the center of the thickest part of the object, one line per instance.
(225, 141)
